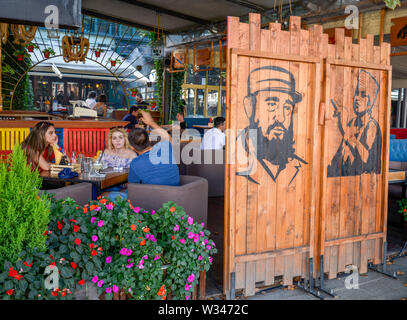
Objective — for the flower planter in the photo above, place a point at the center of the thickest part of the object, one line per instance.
(20, 57)
(46, 55)
(97, 54)
(113, 63)
(30, 48)
(134, 93)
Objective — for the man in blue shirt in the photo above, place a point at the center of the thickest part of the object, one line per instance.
(132, 117)
(154, 164)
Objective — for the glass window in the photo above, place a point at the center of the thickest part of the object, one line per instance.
(212, 106)
(223, 104)
(195, 77)
(190, 100)
(200, 102)
(213, 77)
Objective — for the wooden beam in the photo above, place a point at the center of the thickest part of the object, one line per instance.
(382, 16)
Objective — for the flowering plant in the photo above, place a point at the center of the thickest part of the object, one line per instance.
(403, 207)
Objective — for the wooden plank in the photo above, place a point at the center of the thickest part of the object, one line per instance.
(275, 56)
(230, 169)
(369, 236)
(271, 254)
(250, 285)
(240, 273)
(269, 280)
(395, 176)
(361, 64)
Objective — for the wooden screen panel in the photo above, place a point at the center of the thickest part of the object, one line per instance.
(84, 141)
(10, 136)
(270, 204)
(354, 163)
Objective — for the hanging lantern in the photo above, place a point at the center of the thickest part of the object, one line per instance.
(74, 48)
(23, 35)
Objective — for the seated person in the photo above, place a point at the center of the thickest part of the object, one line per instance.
(215, 137)
(91, 100)
(100, 106)
(181, 121)
(140, 103)
(132, 117)
(39, 146)
(154, 164)
(118, 152)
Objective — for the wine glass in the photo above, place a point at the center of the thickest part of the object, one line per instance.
(97, 166)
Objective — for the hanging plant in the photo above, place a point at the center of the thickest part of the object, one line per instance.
(392, 4)
(114, 61)
(21, 54)
(133, 91)
(31, 46)
(8, 69)
(48, 52)
(98, 51)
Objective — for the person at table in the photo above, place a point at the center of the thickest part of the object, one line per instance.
(215, 137)
(180, 122)
(132, 118)
(140, 103)
(100, 106)
(154, 164)
(39, 146)
(118, 153)
(91, 100)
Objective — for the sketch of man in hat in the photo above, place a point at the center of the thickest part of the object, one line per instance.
(271, 88)
(360, 148)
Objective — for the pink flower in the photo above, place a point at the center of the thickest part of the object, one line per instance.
(97, 209)
(186, 297)
(108, 290)
(129, 252)
(153, 212)
(196, 238)
(182, 241)
(123, 251)
(145, 257)
(206, 241)
(109, 206)
(200, 258)
(176, 228)
(115, 288)
(190, 220)
(101, 223)
(203, 224)
(95, 279)
(210, 259)
(208, 247)
(136, 209)
(93, 219)
(156, 258)
(109, 259)
(182, 218)
(187, 287)
(95, 238)
(191, 278)
(190, 235)
(100, 284)
(129, 265)
(201, 234)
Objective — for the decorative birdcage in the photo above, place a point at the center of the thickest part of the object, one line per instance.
(74, 48)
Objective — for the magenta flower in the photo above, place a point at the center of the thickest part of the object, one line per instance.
(182, 241)
(108, 290)
(176, 228)
(156, 258)
(115, 288)
(100, 284)
(130, 265)
(123, 251)
(186, 297)
(153, 212)
(95, 238)
(109, 259)
(190, 220)
(101, 223)
(136, 209)
(187, 287)
(203, 224)
(201, 234)
(109, 206)
(206, 241)
(208, 247)
(182, 218)
(210, 259)
(200, 258)
(128, 260)
(190, 235)
(129, 252)
(196, 238)
(93, 220)
(95, 279)
(97, 209)
(145, 257)
(191, 278)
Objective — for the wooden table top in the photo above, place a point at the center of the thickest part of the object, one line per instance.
(111, 179)
(395, 175)
(202, 127)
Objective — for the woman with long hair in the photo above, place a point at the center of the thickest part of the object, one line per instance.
(118, 152)
(39, 146)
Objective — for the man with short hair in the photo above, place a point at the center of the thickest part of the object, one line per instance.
(132, 117)
(215, 137)
(140, 103)
(154, 164)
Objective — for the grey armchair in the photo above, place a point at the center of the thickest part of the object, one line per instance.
(213, 171)
(192, 195)
(81, 192)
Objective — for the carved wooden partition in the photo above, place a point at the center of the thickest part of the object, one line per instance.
(307, 155)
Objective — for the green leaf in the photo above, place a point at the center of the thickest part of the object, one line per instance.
(23, 284)
(89, 266)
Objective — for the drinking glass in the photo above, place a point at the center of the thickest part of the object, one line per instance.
(86, 165)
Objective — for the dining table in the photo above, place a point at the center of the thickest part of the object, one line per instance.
(99, 184)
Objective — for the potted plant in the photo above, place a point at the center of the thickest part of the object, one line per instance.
(21, 54)
(114, 61)
(8, 69)
(133, 91)
(48, 52)
(98, 51)
(31, 46)
(138, 68)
